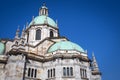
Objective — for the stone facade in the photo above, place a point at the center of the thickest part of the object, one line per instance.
(42, 54)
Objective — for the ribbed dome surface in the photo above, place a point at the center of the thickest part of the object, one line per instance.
(42, 19)
(65, 45)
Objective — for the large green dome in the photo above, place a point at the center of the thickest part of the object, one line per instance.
(41, 20)
(65, 45)
(2, 47)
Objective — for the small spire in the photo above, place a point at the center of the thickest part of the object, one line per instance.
(94, 63)
(86, 51)
(32, 17)
(44, 4)
(33, 20)
(23, 32)
(18, 29)
(26, 25)
(56, 22)
(17, 32)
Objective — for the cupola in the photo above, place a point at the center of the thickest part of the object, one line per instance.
(43, 10)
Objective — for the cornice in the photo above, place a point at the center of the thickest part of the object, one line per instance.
(42, 58)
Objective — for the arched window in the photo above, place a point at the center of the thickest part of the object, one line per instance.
(51, 34)
(81, 72)
(85, 74)
(48, 73)
(35, 73)
(71, 71)
(67, 71)
(38, 34)
(64, 71)
(29, 70)
(53, 72)
(32, 73)
(27, 36)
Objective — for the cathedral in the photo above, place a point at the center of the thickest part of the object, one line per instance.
(41, 53)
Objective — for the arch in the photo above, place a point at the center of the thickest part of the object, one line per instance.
(51, 34)
(38, 34)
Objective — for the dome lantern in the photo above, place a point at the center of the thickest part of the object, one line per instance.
(43, 10)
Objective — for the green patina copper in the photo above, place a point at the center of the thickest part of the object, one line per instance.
(41, 20)
(65, 45)
(2, 47)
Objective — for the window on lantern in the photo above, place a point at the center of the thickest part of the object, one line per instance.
(38, 34)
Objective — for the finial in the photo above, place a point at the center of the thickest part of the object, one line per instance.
(86, 51)
(18, 29)
(44, 4)
(94, 62)
(33, 18)
(26, 25)
(93, 54)
(56, 22)
(17, 32)
(24, 28)
(22, 35)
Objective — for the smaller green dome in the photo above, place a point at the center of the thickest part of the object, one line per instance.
(2, 47)
(65, 45)
(41, 20)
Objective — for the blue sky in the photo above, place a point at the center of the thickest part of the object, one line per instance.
(93, 24)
